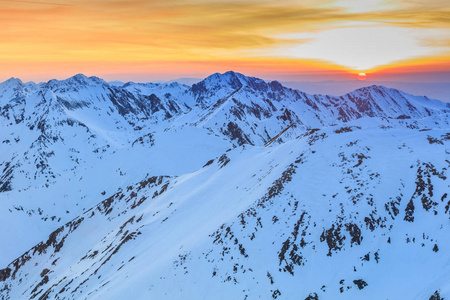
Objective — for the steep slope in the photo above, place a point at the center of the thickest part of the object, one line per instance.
(71, 141)
(327, 215)
(249, 110)
(67, 144)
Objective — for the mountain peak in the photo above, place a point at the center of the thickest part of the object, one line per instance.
(84, 80)
(12, 81)
(375, 88)
(216, 81)
(231, 80)
(79, 76)
(78, 80)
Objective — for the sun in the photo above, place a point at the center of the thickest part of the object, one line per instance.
(362, 76)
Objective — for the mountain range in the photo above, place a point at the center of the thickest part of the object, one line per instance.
(230, 188)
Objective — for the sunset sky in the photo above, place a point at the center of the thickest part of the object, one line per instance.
(145, 40)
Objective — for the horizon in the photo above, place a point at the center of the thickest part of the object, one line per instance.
(335, 76)
(174, 79)
(432, 90)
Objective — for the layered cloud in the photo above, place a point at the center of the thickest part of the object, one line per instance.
(353, 34)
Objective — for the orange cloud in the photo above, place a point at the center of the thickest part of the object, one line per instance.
(153, 33)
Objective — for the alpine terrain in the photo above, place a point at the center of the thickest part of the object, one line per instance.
(232, 188)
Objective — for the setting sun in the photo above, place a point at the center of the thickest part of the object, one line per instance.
(362, 76)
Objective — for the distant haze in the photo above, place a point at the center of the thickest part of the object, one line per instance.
(434, 90)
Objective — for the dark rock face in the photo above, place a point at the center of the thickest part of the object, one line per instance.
(436, 296)
(355, 233)
(72, 105)
(223, 160)
(333, 238)
(4, 274)
(208, 163)
(6, 177)
(409, 211)
(234, 132)
(424, 192)
(312, 296)
(121, 100)
(276, 86)
(147, 140)
(360, 283)
(199, 88)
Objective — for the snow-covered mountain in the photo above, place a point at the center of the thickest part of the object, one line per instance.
(230, 188)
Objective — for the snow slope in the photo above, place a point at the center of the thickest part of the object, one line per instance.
(231, 188)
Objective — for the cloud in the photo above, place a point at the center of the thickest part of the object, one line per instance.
(150, 30)
(38, 2)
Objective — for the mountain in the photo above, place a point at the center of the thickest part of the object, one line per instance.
(435, 90)
(230, 188)
(187, 81)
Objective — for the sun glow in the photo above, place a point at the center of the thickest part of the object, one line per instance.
(360, 48)
(181, 37)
